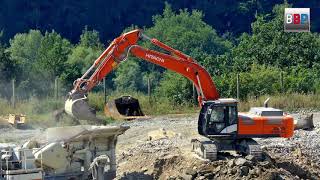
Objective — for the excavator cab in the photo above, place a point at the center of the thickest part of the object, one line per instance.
(218, 118)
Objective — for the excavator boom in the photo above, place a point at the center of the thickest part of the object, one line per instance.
(118, 52)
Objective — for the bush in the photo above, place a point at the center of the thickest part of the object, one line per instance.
(128, 77)
(175, 87)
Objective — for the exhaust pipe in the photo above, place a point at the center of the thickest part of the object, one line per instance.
(265, 104)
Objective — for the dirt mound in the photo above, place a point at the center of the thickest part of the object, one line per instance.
(154, 159)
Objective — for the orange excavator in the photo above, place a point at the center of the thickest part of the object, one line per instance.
(221, 126)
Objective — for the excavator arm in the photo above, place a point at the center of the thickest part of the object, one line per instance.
(126, 44)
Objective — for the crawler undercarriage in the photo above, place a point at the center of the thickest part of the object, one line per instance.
(208, 148)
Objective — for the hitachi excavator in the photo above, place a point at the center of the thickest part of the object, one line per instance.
(221, 126)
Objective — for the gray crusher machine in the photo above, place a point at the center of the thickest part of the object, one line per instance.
(74, 152)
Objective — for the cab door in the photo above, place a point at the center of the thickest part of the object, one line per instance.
(221, 120)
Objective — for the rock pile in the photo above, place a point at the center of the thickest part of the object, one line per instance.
(248, 168)
(170, 157)
(159, 160)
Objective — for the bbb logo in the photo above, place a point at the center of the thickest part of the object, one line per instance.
(297, 20)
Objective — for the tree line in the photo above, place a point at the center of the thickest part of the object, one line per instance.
(68, 18)
(267, 60)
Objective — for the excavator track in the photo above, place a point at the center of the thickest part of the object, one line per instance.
(253, 148)
(206, 149)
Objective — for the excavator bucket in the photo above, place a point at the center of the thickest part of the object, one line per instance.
(305, 122)
(78, 107)
(125, 107)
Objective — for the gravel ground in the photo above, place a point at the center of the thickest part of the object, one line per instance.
(19, 136)
(159, 148)
(304, 144)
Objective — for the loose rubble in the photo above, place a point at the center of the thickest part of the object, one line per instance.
(160, 160)
(170, 157)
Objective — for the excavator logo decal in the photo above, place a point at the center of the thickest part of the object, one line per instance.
(156, 58)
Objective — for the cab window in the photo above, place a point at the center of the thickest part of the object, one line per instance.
(232, 115)
(217, 114)
(221, 113)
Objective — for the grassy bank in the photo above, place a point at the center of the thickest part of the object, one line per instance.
(287, 102)
(160, 105)
(39, 112)
(150, 106)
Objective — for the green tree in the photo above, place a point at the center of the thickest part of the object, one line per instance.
(175, 87)
(90, 39)
(260, 80)
(52, 58)
(24, 49)
(8, 70)
(87, 50)
(53, 53)
(296, 54)
(302, 80)
(187, 32)
(8, 67)
(128, 77)
(270, 45)
(82, 56)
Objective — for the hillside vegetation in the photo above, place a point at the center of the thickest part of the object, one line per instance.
(268, 61)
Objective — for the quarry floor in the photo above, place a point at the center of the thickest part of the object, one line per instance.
(159, 148)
